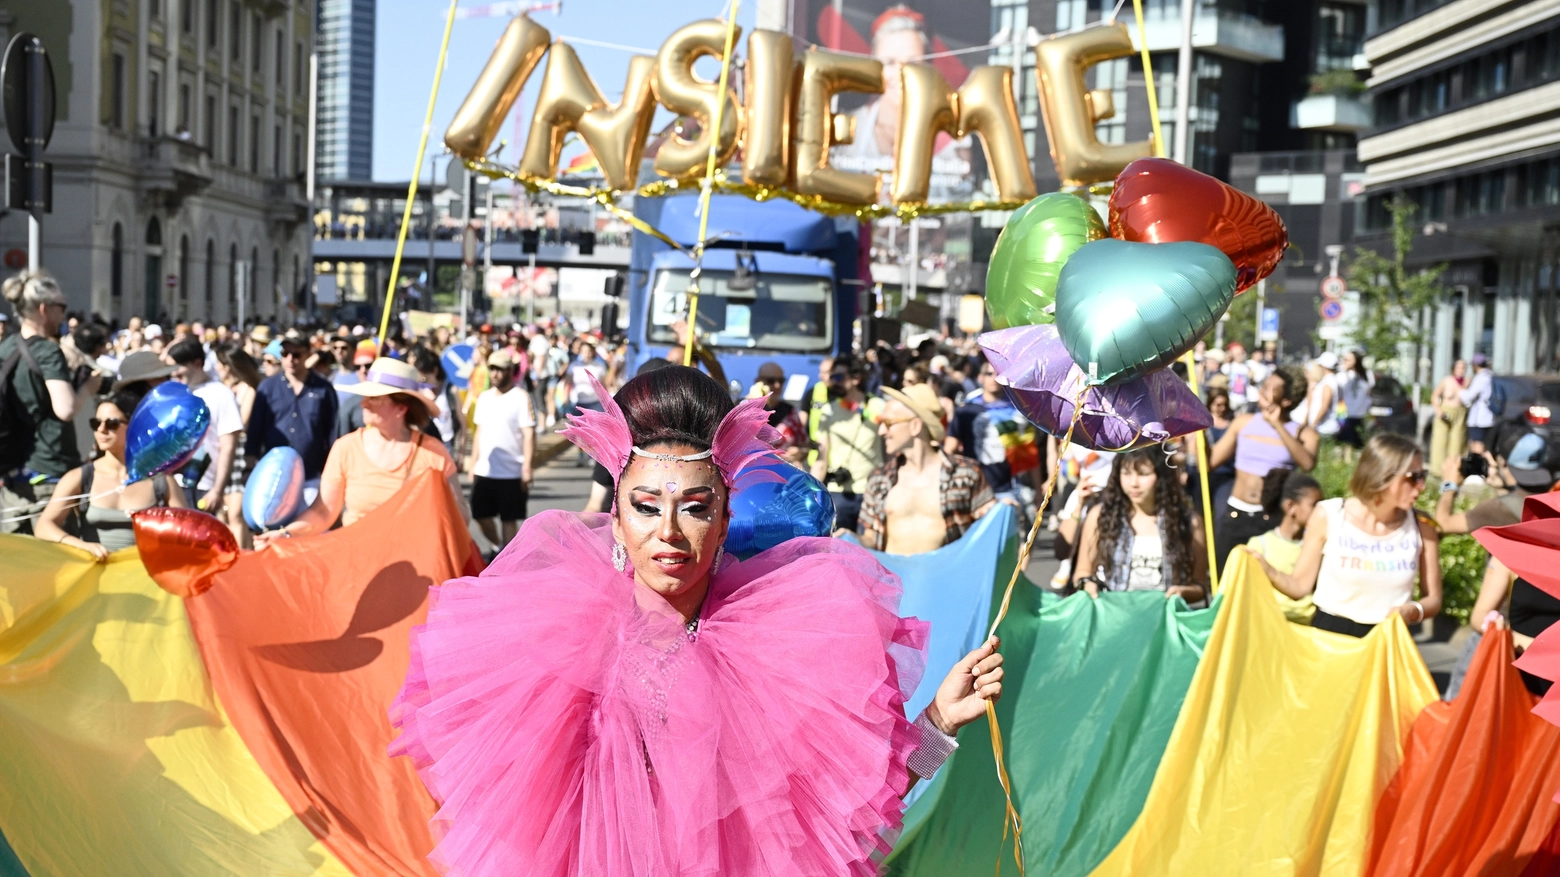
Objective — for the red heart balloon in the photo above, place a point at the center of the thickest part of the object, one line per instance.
(183, 549)
(1157, 201)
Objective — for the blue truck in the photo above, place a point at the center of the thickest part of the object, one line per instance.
(780, 284)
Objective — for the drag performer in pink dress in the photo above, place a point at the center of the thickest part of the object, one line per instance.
(613, 698)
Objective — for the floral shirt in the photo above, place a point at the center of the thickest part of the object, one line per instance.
(963, 492)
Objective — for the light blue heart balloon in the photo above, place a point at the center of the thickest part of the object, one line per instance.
(1125, 309)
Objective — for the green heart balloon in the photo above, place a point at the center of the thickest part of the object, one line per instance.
(1029, 254)
(1124, 309)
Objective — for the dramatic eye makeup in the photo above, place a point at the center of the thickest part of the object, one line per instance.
(695, 499)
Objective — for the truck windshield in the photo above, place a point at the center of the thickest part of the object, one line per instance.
(784, 312)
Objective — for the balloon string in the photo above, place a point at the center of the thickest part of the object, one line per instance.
(709, 182)
(1202, 477)
(1011, 817)
(1148, 77)
(89, 497)
(411, 188)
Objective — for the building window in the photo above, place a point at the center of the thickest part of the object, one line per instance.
(154, 8)
(187, 16)
(184, 276)
(211, 275)
(1111, 76)
(152, 308)
(297, 154)
(210, 140)
(232, 142)
(1071, 14)
(184, 110)
(281, 61)
(116, 265)
(213, 31)
(276, 151)
(116, 112)
(154, 85)
(298, 74)
(233, 268)
(255, 32)
(254, 143)
(235, 33)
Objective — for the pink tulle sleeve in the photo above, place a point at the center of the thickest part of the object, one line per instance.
(568, 726)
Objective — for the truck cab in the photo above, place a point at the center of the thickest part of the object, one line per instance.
(779, 284)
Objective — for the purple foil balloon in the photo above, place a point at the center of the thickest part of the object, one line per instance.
(1042, 380)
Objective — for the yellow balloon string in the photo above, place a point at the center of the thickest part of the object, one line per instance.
(411, 188)
(709, 181)
(1148, 78)
(1011, 817)
(1202, 476)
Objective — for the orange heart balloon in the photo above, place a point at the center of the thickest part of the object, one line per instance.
(1157, 201)
(183, 549)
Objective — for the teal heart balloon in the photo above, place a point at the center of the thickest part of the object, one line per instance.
(1124, 309)
(1029, 254)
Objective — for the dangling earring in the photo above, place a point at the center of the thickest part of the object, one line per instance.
(720, 554)
(619, 557)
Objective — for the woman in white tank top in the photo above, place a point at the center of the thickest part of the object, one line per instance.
(1362, 555)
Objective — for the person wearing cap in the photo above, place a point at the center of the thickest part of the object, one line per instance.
(294, 407)
(219, 446)
(503, 445)
(922, 498)
(783, 416)
(369, 466)
(1477, 400)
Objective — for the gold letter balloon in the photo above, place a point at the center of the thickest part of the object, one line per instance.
(684, 93)
(787, 126)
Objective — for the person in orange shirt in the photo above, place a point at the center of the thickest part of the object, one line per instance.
(368, 466)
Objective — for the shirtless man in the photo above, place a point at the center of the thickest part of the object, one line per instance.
(922, 498)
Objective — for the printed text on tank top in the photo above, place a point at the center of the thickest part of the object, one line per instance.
(1364, 577)
(1259, 450)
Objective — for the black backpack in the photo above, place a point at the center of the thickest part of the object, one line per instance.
(17, 430)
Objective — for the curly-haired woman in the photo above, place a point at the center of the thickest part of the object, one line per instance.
(1143, 534)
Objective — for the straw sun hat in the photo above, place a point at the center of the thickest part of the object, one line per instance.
(390, 377)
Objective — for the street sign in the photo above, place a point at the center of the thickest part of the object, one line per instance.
(457, 360)
(1333, 286)
(173, 281)
(27, 90)
(1332, 310)
(1269, 325)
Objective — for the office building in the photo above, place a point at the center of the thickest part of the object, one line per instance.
(1465, 96)
(344, 144)
(178, 154)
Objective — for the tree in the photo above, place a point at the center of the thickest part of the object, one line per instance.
(1393, 297)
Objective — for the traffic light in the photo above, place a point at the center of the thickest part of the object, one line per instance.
(587, 243)
(613, 287)
(529, 238)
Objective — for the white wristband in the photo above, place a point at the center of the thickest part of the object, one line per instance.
(934, 748)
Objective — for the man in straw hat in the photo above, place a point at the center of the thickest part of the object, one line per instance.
(922, 498)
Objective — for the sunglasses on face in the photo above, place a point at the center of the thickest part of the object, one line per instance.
(292, 354)
(112, 424)
(1417, 476)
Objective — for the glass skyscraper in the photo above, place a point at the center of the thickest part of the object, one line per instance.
(345, 42)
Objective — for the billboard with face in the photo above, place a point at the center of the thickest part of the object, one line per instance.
(952, 36)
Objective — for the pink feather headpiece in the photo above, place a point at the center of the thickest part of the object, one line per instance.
(743, 437)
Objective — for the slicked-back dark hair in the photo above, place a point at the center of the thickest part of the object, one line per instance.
(675, 404)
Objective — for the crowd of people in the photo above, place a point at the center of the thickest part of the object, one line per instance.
(913, 444)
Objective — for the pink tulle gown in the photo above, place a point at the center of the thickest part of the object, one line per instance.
(569, 724)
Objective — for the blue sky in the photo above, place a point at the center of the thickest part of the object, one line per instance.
(408, 47)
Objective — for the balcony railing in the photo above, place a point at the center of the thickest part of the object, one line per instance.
(1220, 32)
(1330, 112)
(174, 168)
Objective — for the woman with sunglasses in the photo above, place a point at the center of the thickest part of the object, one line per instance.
(1363, 554)
(85, 501)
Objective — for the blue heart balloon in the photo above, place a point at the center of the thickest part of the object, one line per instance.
(770, 510)
(273, 495)
(165, 431)
(1125, 309)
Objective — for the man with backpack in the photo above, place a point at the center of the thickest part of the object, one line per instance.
(1477, 399)
(37, 402)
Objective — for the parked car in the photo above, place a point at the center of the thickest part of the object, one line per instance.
(1532, 402)
(1390, 408)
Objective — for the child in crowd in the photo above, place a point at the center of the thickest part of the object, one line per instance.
(1289, 496)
